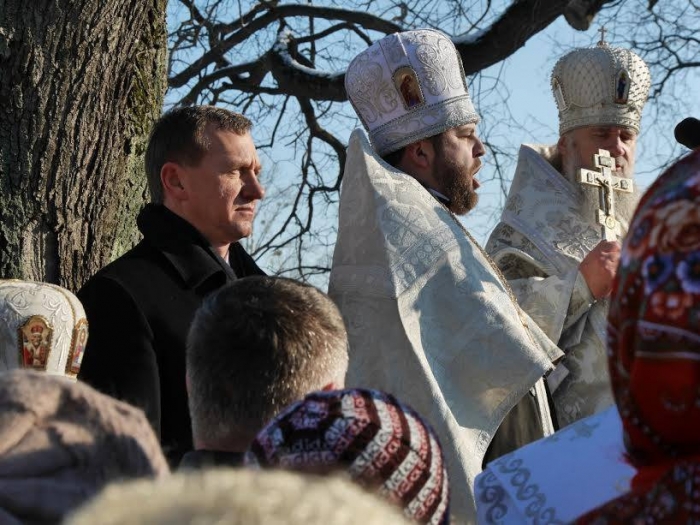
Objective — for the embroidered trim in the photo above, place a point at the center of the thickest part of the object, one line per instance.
(527, 491)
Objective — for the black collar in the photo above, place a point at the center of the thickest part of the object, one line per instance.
(198, 459)
(181, 243)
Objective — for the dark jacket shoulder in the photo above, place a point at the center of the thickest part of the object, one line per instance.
(201, 459)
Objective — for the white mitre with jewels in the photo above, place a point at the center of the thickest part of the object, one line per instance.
(407, 87)
(42, 327)
(600, 86)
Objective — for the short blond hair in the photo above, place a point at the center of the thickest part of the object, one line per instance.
(254, 347)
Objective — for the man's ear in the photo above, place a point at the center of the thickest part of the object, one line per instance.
(420, 153)
(561, 146)
(171, 177)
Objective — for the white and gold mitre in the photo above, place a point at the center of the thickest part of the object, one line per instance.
(42, 327)
(600, 86)
(407, 87)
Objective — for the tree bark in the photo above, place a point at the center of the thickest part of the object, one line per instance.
(81, 84)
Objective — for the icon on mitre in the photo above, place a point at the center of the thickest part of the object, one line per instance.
(622, 87)
(35, 341)
(407, 85)
(75, 359)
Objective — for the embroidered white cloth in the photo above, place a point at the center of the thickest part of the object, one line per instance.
(427, 316)
(538, 245)
(558, 478)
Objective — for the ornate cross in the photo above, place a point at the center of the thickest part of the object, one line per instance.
(608, 184)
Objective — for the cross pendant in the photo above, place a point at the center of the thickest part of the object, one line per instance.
(608, 184)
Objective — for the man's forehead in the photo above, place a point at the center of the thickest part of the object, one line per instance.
(232, 144)
(465, 127)
(610, 128)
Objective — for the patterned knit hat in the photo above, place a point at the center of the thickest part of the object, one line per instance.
(407, 87)
(600, 86)
(382, 444)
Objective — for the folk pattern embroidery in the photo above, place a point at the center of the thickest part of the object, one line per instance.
(536, 508)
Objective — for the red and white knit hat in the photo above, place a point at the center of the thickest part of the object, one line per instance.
(381, 443)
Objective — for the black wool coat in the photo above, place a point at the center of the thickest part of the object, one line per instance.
(139, 309)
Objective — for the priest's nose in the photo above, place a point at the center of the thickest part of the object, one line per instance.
(615, 146)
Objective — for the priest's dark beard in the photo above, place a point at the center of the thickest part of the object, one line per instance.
(457, 184)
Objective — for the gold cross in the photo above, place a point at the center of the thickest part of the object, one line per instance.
(608, 184)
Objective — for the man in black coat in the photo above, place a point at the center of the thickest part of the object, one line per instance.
(202, 170)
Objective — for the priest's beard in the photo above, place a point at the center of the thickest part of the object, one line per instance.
(589, 196)
(457, 182)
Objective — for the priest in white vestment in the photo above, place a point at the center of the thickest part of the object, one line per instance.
(429, 317)
(550, 244)
(636, 462)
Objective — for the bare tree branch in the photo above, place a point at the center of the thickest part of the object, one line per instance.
(522, 20)
(283, 65)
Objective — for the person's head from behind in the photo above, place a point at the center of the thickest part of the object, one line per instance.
(61, 442)
(238, 497)
(654, 321)
(429, 130)
(254, 347)
(382, 444)
(202, 164)
(600, 93)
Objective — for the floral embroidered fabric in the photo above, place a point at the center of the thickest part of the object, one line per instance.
(654, 341)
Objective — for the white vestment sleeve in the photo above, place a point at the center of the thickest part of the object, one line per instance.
(539, 244)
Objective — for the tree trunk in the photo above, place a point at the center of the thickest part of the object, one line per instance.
(81, 84)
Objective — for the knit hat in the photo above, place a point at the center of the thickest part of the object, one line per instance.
(383, 444)
(61, 442)
(42, 327)
(407, 87)
(600, 86)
